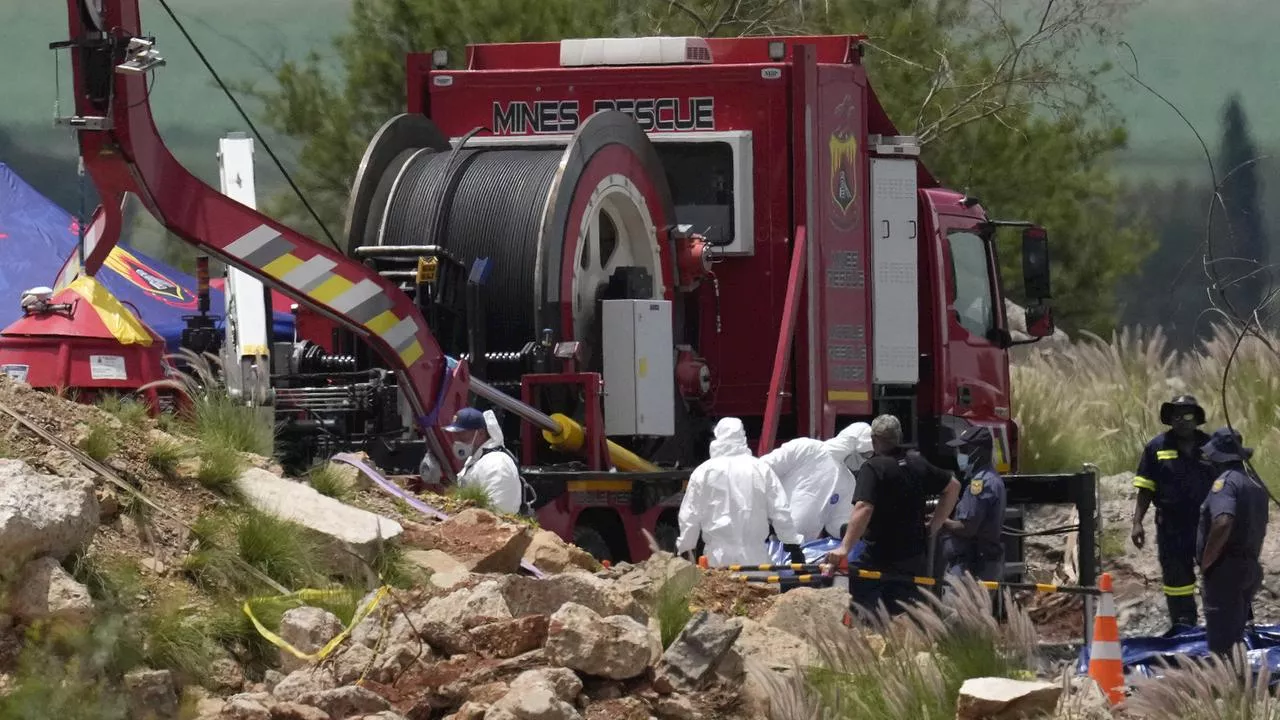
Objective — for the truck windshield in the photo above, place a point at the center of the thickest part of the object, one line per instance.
(971, 279)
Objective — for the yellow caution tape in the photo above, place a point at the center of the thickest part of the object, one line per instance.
(312, 595)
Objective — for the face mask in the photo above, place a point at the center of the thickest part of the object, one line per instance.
(462, 450)
(962, 459)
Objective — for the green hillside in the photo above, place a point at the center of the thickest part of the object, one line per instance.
(1195, 52)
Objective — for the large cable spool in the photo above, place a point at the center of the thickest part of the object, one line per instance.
(557, 220)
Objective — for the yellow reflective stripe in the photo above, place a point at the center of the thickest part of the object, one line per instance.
(1042, 587)
(281, 265)
(412, 353)
(1143, 483)
(329, 290)
(1180, 590)
(382, 322)
(1166, 454)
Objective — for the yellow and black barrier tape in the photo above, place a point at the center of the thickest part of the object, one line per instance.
(784, 579)
(988, 584)
(797, 567)
(310, 595)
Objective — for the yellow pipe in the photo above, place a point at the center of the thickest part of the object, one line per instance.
(571, 438)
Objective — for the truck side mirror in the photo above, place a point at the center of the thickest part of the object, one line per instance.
(1035, 264)
(1039, 319)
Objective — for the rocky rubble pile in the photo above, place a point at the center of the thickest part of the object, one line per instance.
(504, 646)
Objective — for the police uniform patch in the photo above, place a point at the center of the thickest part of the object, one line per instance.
(835, 498)
(975, 486)
(1217, 484)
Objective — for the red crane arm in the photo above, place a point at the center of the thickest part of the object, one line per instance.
(123, 153)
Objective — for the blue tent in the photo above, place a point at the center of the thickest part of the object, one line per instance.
(36, 236)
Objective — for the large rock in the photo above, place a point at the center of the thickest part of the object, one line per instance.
(297, 711)
(644, 581)
(544, 596)
(479, 540)
(152, 695)
(470, 607)
(300, 683)
(563, 682)
(308, 629)
(774, 648)
(42, 515)
(346, 701)
(360, 530)
(697, 650)
(44, 591)
(509, 638)
(804, 607)
(615, 647)
(536, 702)
(446, 572)
(551, 554)
(993, 698)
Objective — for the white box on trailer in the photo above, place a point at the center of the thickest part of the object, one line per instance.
(639, 367)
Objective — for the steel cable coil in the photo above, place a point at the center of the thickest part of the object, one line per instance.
(491, 204)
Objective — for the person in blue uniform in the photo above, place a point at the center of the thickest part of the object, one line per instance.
(973, 538)
(1233, 524)
(1174, 475)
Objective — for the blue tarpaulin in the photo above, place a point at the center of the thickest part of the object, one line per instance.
(1143, 655)
(36, 236)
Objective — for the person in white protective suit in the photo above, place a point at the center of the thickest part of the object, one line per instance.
(478, 438)
(819, 477)
(731, 500)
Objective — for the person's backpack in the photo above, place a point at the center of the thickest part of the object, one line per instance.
(527, 494)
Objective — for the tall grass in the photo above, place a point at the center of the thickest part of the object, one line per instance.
(1205, 689)
(101, 442)
(671, 608)
(1098, 400)
(915, 671)
(212, 416)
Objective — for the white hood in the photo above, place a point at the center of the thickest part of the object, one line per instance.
(496, 438)
(730, 439)
(853, 440)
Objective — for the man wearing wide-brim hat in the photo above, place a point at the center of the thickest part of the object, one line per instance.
(1174, 475)
(1233, 524)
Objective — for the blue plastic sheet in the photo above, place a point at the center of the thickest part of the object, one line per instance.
(36, 236)
(1143, 655)
(814, 550)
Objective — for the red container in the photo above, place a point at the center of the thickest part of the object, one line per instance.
(85, 341)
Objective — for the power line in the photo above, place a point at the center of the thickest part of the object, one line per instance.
(253, 128)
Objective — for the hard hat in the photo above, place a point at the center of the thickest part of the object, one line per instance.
(1178, 405)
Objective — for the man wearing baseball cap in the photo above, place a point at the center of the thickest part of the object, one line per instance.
(1233, 524)
(973, 540)
(487, 464)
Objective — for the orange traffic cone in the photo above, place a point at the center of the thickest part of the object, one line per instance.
(702, 562)
(1105, 665)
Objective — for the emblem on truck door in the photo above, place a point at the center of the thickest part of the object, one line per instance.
(843, 144)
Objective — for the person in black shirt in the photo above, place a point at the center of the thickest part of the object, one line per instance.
(889, 512)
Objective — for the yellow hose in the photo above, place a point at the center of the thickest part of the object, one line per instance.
(571, 438)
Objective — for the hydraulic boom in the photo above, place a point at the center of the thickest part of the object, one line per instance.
(123, 153)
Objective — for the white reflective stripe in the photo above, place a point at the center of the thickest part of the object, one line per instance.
(1105, 651)
(1106, 605)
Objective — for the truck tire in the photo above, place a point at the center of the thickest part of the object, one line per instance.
(590, 539)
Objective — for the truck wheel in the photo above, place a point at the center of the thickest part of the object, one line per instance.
(592, 541)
